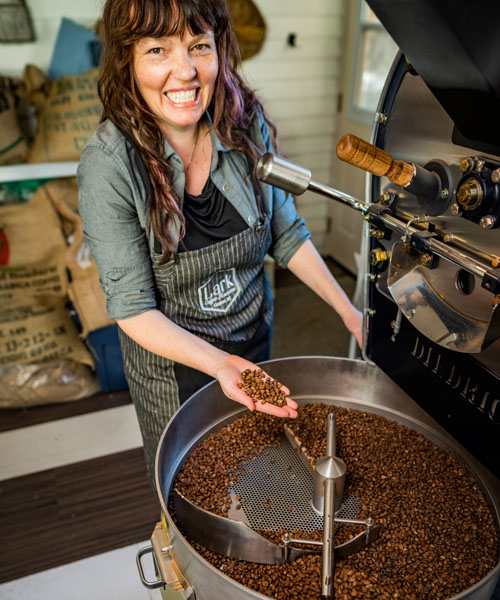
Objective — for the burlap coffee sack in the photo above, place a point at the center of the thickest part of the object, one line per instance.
(13, 147)
(67, 115)
(32, 250)
(84, 288)
(39, 329)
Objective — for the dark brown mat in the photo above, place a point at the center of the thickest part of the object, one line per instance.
(61, 515)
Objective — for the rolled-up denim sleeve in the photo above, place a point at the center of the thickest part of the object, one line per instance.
(289, 231)
(107, 205)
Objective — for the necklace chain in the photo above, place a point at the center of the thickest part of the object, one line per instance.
(194, 148)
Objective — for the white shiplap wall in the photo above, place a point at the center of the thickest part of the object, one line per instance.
(299, 85)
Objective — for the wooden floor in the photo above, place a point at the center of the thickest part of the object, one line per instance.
(60, 515)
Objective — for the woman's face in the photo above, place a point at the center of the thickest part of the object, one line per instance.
(176, 77)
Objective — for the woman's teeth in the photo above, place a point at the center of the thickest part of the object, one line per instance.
(183, 96)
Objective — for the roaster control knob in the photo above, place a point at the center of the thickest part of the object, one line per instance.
(378, 256)
(470, 194)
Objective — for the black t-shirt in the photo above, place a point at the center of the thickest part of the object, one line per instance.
(210, 218)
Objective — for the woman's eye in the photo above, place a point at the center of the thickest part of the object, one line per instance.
(155, 51)
(200, 47)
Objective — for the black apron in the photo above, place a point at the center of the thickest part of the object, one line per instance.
(219, 293)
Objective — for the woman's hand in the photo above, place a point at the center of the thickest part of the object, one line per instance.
(354, 323)
(229, 376)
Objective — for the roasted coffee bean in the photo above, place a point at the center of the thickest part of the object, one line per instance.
(262, 388)
(437, 533)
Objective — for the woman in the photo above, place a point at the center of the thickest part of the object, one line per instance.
(176, 220)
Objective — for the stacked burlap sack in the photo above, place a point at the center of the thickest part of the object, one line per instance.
(43, 265)
(44, 269)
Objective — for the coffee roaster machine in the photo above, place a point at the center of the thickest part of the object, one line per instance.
(431, 284)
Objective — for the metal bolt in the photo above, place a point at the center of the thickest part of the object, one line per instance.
(466, 164)
(487, 222)
(448, 237)
(371, 277)
(407, 247)
(479, 164)
(382, 118)
(377, 233)
(495, 176)
(385, 198)
(444, 193)
(456, 210)
(371, 312)
(393, 324)
(425, 259)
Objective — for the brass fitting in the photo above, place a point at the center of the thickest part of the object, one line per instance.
(377, 233)
(385, 198)
(479, 164)
(466, 164)
(470, 194)
(378, 256)
(425, 259)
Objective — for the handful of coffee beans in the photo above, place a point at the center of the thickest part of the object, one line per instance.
(262, 388)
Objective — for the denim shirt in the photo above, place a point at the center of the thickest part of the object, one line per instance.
(113, 205)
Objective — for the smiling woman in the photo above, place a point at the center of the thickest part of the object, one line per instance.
(176, 78)
(176, 219)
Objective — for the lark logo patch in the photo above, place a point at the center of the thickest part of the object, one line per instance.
(219, 293)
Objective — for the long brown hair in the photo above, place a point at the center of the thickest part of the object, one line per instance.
(232, 107)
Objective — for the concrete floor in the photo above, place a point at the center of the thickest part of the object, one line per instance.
(304, 324)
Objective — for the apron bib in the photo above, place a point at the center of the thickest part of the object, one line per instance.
(219, 293)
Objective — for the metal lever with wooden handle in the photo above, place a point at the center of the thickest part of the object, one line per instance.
(295, 179)
(417, 180)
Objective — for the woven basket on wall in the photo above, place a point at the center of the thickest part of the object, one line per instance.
(249, 26)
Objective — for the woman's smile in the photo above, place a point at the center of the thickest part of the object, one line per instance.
(182, 97)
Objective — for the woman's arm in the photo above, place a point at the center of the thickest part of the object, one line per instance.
(311, 269)
(155, 332)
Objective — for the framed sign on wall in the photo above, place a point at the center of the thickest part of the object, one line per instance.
(15, 22)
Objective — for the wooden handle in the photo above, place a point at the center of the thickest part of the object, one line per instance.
(364, 155)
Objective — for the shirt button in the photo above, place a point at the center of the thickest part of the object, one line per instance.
(251, 219)
(225, 187)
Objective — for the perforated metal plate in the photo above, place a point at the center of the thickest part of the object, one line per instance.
(277, 491)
